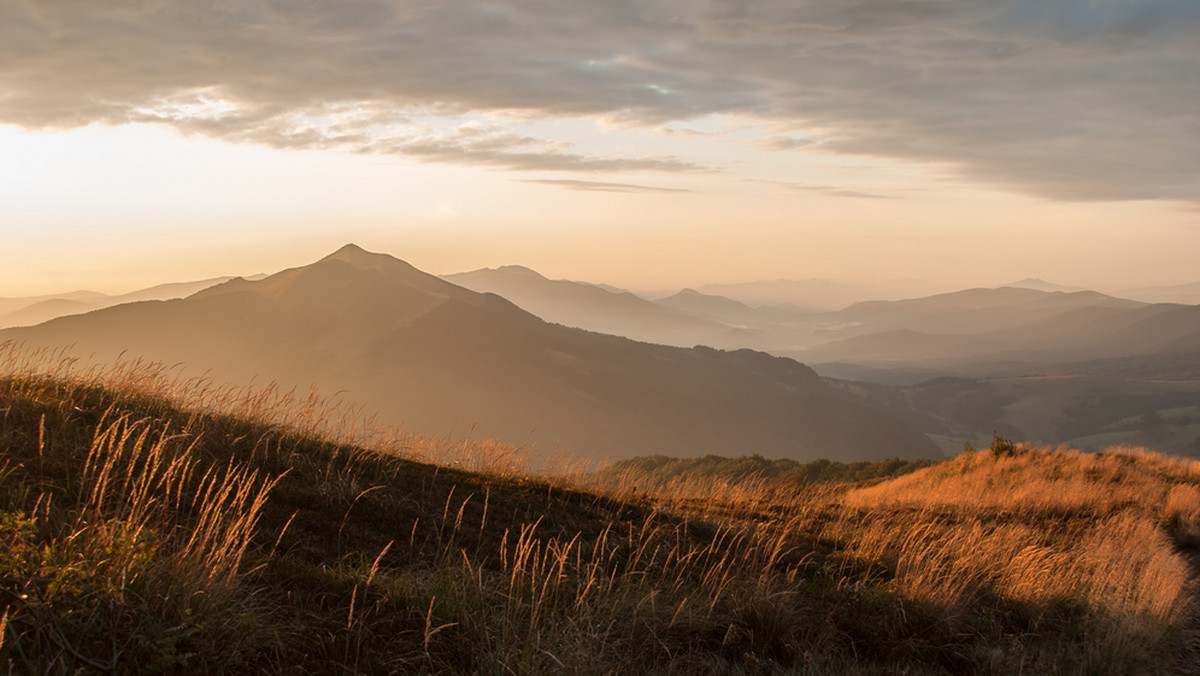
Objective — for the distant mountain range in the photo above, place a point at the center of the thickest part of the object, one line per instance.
(1034, 359)
(37, 309)
(1042, 285)
(444, 360)
(598, 308)
(1032, 321)
(1185, 294)
(978, 326)
(815, 294)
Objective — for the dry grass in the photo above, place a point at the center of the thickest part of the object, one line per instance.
(148, 527)
(1045, 532)
(156, 525)
(300, 413)
(1040, 480)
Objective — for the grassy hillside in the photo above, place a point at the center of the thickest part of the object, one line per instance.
(149, 526)
(660, 473)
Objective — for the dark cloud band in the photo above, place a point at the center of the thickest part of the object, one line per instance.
(1068, 99)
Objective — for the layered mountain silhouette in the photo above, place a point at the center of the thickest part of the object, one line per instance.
(37, 309)
(1043, 285)
(814, 294)
(444, 360)
(597, 308)
(1010, 324)
(1186, 294)
(761, 320)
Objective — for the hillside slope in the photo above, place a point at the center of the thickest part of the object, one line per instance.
(140, 534)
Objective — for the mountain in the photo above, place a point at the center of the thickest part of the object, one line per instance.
(8, 305)
(45, 310)
(1008, 324)
(1042, 285)
(814, 294)
(1003, 327)
(1186, 294)
(597, 308)
(722, 308)
(973, 311)
(35, 310)
(444, 360)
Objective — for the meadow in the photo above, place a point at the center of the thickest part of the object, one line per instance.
(153, 524)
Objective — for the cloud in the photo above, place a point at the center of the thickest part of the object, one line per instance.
(368, 129)
(785, 143)
(572, 184)
(828, 190)
(1066, 99)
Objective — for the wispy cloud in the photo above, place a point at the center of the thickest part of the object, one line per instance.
(785, 143)
(600, 186)
(828, 190)
(1067, 99)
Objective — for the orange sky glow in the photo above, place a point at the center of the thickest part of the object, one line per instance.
(638, 147)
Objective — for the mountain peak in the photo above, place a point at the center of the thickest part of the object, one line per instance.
(1042, 285)
(359, 257)
(520, 270)
(352, 253)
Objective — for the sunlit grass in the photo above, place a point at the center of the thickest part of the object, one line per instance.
(151, 524)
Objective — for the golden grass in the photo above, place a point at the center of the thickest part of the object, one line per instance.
(73, 569)
(1020, 560)
(303, 413)
(1040, 480)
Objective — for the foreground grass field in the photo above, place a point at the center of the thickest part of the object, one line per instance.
(148, 526)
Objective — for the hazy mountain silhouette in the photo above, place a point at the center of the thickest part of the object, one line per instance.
(1042, 285)
(442, 359)
(1186, 294)
(35, 310)
(599, 308)
(8, 305)
(44, 310)
(814, 294)
(1168, 345)
(726, 309)
(973, 310)
(1005, 323)
(1009, 325)
(1082, 376)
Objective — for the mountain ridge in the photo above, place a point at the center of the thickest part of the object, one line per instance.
(442, 359)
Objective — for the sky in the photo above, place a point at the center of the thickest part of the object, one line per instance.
(649, 144)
